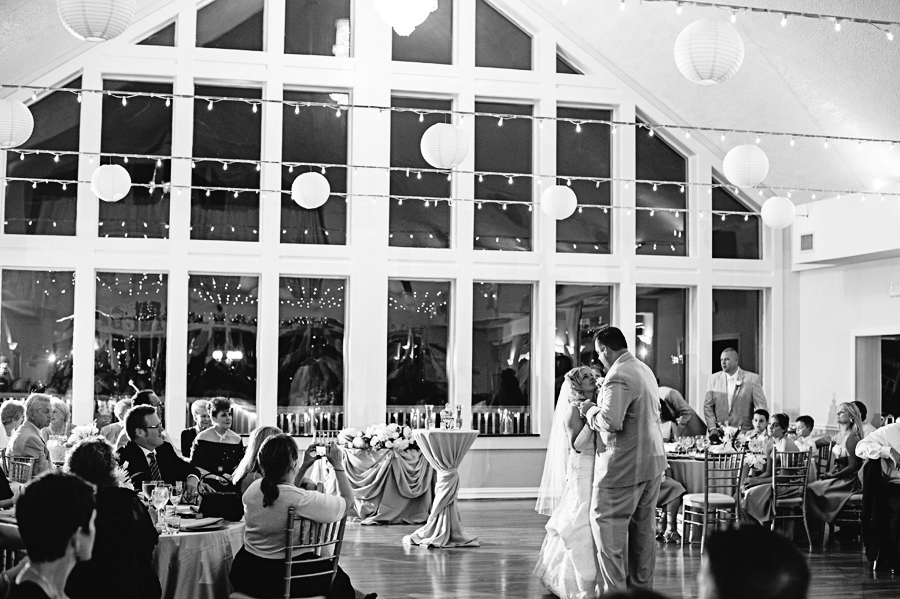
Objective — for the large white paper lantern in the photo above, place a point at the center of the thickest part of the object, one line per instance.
(111, 182)
(559, 202)
(16, 123)
(778, 212)
(745, 166)
(405, 15)
(96, 20)
(310, 190)
(709, 51)
(444, 146)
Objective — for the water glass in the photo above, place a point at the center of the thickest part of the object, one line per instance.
(160, 498)
(147, 488)
(173, 524)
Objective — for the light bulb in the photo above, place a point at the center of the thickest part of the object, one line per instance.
(733, 17)
(837, 25)
(210, 105)
(784, 20)
(678, 9)
(890, 36)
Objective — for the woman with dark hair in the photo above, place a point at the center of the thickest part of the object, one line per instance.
(218, 449)
(126, 537)
(757, 491)
(258, 568)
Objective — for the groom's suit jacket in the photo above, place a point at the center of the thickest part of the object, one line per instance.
(626, 421)
(748, 396)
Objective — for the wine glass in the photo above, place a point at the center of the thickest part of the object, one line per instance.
(147, 488)
(176, 493)
(159, 499)
(702, 443)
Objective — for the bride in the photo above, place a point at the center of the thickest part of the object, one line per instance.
(567, 564)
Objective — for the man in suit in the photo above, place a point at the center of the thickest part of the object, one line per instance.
(202, 421)
(628, 467)
(26, 441)
(689, 422)
(732, 395)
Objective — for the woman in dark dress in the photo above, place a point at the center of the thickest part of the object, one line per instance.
(218, 449)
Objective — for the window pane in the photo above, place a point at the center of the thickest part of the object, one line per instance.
(503, 226)
(735, 236)
(412, 223)
(222, 317)
(129, 339)
(664, 233)
(736, 316)
(584, 153)
(563, 67)
(662, 334)
(230, 130)
(46, 208)
(143, 126)
(231, 25)
(579, 309)
(498, 41)
(314, 134)
(310, 355)
(501, 358)
(163, 37)
(316, 27)
(36, 318)
(432, 41)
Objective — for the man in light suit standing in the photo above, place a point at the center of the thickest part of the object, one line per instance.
(628, 467)
(26, 441)
(732, 395)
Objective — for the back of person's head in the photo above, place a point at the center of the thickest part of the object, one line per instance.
(135, 419)
(807, 421)
(11, 410)
(250, 461)
(53, 512)
(750, 563)
(611, 337)
(277, 456)
(121, 408)
(144, 397)
(35, 401)
(219, 405)
(762, 412)
(94, 460)
(863, 410)
(665, 414)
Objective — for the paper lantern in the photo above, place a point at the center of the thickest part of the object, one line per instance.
(111, 182)
(559, 202)
(96, 20)
(310, 190)
(405, 15)
(778, 213)
(16, 123)
(709, 51)
(745, 166)
(444, 146)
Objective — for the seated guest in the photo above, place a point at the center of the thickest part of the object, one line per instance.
(258, 568)
(757, 491)
(60, 420)
(12, 415)
(145, 397)
(148, 457)
(112, 431)
(805, 439)
(202, 421)
(218, 449)
(56, 521)
(248, 470)
(867, 428)
(126, 537)
(27, 441)
(687, 420)
(750, 563)
(760, 423)
(881, 496)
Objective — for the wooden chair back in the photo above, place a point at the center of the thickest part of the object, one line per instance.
(824, 458)
(790, 475)
(20, 468)
(722, 473)
(323, 539)
(12, 550)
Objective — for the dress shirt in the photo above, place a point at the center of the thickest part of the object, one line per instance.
(806, 443)
(879, 444)
(731, 382)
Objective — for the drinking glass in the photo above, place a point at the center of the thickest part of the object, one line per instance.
(147, 488)
(160, 498)
(173, 524)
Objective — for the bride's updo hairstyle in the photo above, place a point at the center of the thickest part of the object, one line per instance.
(277, 456)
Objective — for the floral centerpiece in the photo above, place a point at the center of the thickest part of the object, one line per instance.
(80, 433)
(378, 436)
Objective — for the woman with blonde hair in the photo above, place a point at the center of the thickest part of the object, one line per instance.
(249, 469)
(60, 420)
(827, 496)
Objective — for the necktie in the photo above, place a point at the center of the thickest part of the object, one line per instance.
(154, 467)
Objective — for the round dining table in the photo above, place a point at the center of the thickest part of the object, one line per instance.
(197, 564)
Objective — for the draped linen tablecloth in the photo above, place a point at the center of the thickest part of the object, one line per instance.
(196, 564)
(444, 450)
(390, 487)
(687, 471)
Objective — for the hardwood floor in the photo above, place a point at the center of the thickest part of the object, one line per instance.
(511, 534)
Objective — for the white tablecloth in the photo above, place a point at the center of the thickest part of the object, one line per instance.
(196, 564)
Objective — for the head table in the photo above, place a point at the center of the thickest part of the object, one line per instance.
(196, 564)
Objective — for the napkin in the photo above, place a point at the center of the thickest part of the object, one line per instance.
(201, 523)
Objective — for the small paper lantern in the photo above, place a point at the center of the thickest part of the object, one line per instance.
(745, 166)
(405, 15)
(778, 213)
(96, 20)
(444, 146)
(709, 51)
(559, 202)
(111, 182)
(16, 123)
(310, 190)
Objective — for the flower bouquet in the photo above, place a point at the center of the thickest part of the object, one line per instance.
(80, 433)
(378, 436)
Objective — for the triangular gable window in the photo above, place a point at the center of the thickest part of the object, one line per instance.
(499, 42)
(163, 37)
(564, 67)
(231, 25)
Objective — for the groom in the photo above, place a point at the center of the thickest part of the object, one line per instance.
(629, 465)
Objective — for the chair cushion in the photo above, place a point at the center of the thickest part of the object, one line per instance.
(236, 595)
(789, 502)
(855, 499)
(714, 499)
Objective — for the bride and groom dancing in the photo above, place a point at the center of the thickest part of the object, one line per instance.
(604, 466)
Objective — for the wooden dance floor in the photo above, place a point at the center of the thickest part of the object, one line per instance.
(511, 534)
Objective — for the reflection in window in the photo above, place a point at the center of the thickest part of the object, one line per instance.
(583, 150)
(501, 358)
(413, 224)
(222, 320)
(579, 310)
(231, 25)
(418, 333)
(46, 208)
(736, 318)
(228, 130)
(664, 233)
(129, 339)
(506, 223)
(430, 42)
(733, 236)
(662, 334)
(142, 126)
(163, 37)
(317, 27)
(498, 41)
(315, 134)
(36, 322)
(310, 355)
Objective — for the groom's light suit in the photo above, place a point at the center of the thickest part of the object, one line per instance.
(627, 474)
